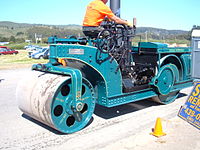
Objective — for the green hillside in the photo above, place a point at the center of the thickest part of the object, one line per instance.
(18, 32)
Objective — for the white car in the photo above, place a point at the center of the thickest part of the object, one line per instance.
(31, 47)
(33, 50)
(39, 54)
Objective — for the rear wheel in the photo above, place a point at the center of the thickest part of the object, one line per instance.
(163, 82)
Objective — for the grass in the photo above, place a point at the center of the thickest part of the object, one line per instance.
(21, 60)
(21, 45)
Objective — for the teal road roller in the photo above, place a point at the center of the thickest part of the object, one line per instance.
(104, 69)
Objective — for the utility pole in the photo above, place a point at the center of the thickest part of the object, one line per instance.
(146, 36)
(38, 37)
(35, 38)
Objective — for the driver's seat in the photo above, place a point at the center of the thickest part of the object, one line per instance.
(91, 31)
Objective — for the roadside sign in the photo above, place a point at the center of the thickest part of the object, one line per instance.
(190, 112)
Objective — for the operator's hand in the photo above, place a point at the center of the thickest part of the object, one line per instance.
(130, 24)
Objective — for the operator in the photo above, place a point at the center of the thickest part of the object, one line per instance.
(96, 11)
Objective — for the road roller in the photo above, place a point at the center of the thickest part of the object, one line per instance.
(104, 69)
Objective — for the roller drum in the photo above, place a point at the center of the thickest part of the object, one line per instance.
(47, 98)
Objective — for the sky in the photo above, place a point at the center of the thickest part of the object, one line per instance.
(165, 14)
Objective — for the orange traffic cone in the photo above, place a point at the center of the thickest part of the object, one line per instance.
(157, 131)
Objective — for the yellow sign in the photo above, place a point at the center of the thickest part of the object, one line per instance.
(191, 110)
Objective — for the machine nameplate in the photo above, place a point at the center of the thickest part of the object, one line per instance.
(76, 51)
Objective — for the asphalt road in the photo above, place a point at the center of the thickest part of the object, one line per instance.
(123, 127)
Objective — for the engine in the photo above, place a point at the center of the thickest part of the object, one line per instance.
(140, 74)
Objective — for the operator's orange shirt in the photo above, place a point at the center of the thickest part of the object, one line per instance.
(96, 12)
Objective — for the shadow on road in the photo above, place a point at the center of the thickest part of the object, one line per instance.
(181, 95)
(108, 113)
(42, 125)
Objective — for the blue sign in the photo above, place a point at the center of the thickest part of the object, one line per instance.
(191, 110)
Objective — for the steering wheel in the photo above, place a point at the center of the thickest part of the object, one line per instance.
(106, 41)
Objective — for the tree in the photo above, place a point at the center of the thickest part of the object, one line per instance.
(20, 40)
(19, 33)
(12, 39)
(4, 39)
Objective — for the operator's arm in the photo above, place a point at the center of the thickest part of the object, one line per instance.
(120, 21)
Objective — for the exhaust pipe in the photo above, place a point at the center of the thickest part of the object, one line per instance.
(115, 7)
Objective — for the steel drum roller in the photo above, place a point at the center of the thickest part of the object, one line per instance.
(48, 97)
